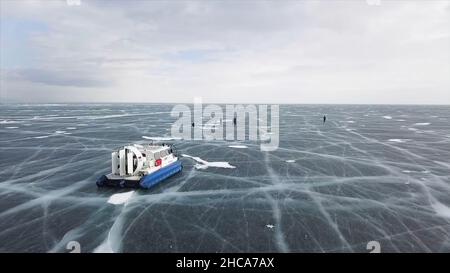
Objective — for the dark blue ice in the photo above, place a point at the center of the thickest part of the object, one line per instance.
(371, 173)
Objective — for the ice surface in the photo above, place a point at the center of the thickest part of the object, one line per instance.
(348, 185)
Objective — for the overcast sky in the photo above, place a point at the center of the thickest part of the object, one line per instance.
(226, 51)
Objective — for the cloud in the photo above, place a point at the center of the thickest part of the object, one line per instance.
(227, 51)
(62, 78)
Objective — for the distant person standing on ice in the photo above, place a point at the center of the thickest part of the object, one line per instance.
(324, 119)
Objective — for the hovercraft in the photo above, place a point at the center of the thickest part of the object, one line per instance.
(141, 166)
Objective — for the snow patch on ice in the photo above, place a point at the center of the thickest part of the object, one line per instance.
(387, 117)
(8, 121)
(12, 127)
(270, 226)
(290, 161)
(441, 209)
(120, 198)
(161, 138)
(203, 164)
(422, 124)
(105, 247)
(398, 140)
(409, 171)
(238, 146)
(39, 137)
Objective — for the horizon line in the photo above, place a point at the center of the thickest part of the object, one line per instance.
(224, 103)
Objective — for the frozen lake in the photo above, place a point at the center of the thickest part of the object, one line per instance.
(371, 173)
